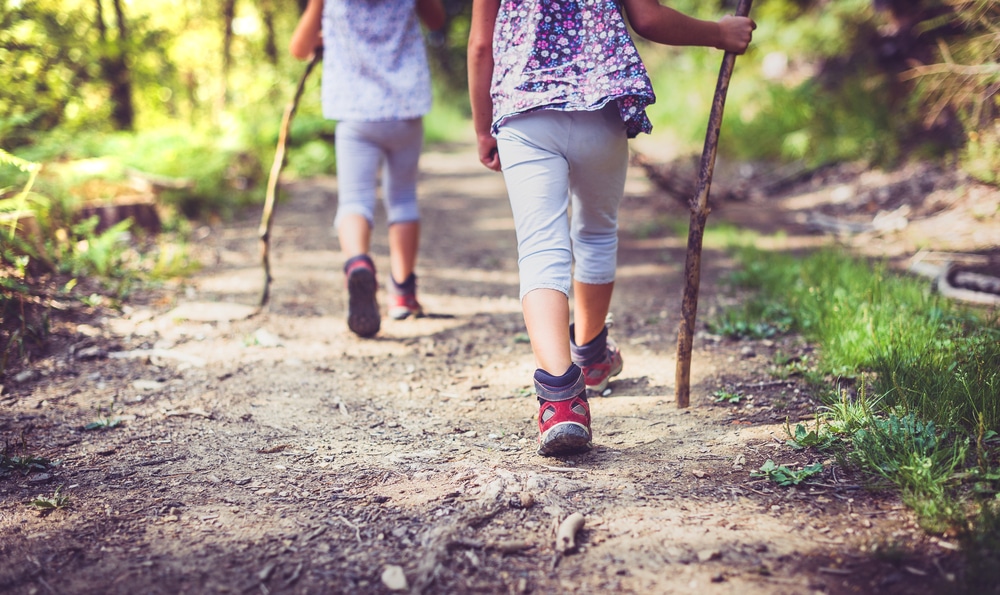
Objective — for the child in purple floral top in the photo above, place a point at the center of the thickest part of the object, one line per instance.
(557, 88)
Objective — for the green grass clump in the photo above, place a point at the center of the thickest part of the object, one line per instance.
(932, 428)
(919, 459)
(922, 353)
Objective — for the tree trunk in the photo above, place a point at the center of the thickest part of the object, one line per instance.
(121, 80)
(228, 14)
(270, 37)
(114, 67)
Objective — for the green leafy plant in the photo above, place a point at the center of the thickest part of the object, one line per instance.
(15, 251)
(14, 457)
(105, 421)
(844, 414)
(784, 476)
(787, 367)
(801, 437)
(23, 463)
(47, 504)
(753, 319)
(724, 396)
(98, 253)
(884, 443)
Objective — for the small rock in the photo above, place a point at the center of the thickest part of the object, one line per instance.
(40, 477)
(842, 194)
(265, 338)
(394, 579)
(210, 312)
(747, 352)
(25, 376)
(93, 352)
(708, 555)
(148, 385)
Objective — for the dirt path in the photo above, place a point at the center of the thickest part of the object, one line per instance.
(281, 454)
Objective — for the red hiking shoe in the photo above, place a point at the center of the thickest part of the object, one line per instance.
(563, 419)
(404, 306)
(598, 374)
(600, 360)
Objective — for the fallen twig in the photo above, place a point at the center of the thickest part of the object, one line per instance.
(155, 353)
(160, 461)
(357, 530)
(761, 384)
(560, 469)
(566, 534)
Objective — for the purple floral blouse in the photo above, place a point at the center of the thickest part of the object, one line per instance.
(570, 55)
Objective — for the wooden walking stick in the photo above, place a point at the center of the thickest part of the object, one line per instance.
(264, 231)
(696, 229)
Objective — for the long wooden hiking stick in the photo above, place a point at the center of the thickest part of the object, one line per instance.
(264, 231)
(696, 229)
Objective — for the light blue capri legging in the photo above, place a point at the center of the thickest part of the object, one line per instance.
(362, 147)
(553, 160)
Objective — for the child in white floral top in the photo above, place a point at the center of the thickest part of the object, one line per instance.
(376, 84)
(557, 88)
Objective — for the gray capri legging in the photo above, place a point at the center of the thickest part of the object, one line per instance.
(364, 147)
(556, 163)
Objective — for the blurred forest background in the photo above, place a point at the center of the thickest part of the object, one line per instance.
(102, 101)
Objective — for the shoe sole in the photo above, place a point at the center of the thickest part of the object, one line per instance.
(403, 314)
(564, 439)
(362, 309)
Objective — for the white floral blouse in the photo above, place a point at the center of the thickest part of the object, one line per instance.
(374, 61)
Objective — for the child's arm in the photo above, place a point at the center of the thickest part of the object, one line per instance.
(307, 36)
(431, 12)
(484, 16)
(665, 25)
